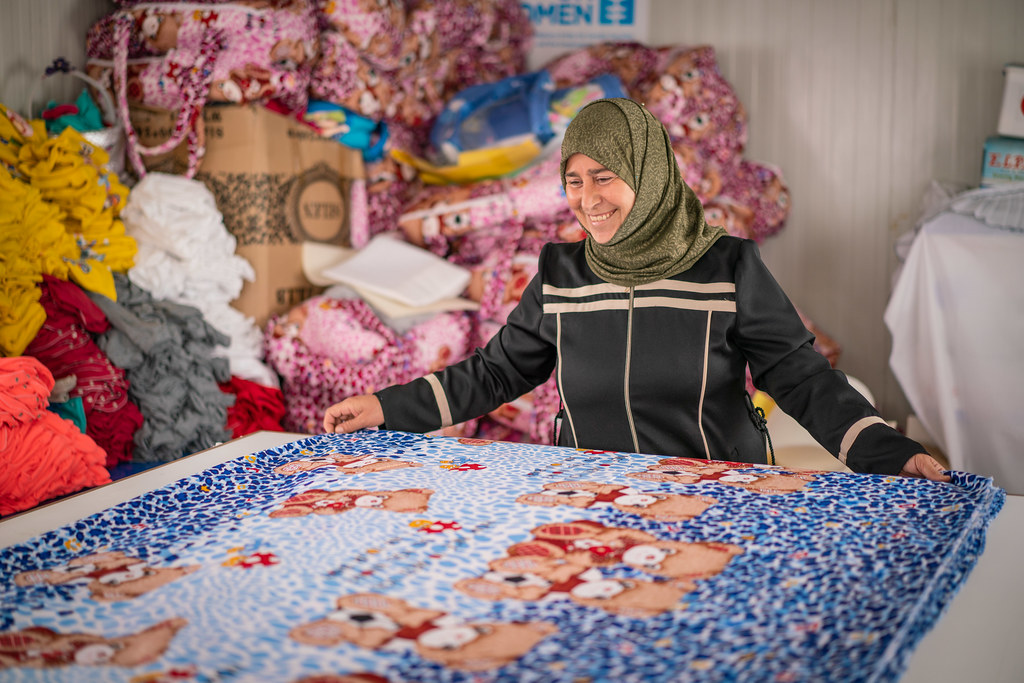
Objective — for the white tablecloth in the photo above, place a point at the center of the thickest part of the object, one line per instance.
(957, 321)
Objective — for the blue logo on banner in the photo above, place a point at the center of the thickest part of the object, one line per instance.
(618, 12)
(582, 12)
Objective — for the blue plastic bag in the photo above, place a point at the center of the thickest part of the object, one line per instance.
(503, 113)
(493, 115)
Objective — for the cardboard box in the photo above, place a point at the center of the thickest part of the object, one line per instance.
(152, 126)
(1003, 161)
(278, 184)
(1011, 115)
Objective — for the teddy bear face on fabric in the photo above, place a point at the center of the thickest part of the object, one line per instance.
(694, 101)
(372, 621)
(40, 647)
(634, 64)
(111, 576)
(322, 502)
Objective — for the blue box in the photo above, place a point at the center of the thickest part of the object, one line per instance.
(1003, 161)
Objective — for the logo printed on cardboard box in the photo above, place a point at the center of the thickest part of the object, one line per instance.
(316, 208)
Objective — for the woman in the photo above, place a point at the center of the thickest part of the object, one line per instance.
(649, 324)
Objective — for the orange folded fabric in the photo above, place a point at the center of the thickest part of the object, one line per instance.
(42, 455)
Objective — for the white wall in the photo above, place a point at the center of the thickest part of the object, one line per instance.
(861, 104)
(35, 32)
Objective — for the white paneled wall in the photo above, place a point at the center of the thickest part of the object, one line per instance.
(35, 32)
(861, 104)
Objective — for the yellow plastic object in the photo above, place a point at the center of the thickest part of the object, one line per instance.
(763, 401)
(474, 165)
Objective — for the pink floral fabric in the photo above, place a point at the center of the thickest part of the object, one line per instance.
(328, 349)
(177, 57)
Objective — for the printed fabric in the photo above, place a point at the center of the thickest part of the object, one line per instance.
(385, 556)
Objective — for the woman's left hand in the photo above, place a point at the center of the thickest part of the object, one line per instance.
(924, 466)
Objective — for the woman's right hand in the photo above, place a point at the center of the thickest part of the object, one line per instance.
(353, 414)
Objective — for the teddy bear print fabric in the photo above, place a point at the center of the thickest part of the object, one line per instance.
(383, 557)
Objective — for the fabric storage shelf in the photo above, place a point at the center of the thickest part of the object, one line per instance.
(404, 557)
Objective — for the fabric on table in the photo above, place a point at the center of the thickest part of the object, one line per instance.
(42, 455)
(413, 558)
(166, 350)
(65, 345)
(1001, 206)
(956, 342)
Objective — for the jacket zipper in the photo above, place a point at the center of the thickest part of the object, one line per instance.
(625, 382)
(561, 394)
(703, 389)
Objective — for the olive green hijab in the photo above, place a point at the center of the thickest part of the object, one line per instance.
(664, 233)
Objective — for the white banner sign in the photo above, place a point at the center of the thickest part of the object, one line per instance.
(568, 25)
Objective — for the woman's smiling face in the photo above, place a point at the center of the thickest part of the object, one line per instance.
(600, 199)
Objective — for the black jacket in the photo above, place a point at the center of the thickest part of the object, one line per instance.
(659, 368)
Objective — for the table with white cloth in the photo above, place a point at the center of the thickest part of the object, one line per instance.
(385, 557)
(957, 321)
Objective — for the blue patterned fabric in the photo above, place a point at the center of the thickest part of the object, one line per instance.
(385, 556)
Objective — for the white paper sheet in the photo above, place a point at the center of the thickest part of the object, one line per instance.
(320, 261)
(401, 271)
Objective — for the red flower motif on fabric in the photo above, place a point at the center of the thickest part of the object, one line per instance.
(441, 526)
(208, 18)
(259, 560)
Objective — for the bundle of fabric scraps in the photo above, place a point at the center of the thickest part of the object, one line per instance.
(257, 407)
(42, 455)
(33, 242)
(166, 350)
(186, 255)
(493, 227)
(65, 345)
(71, 174)
(389, 184)
(58, 216)
(327, 349)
